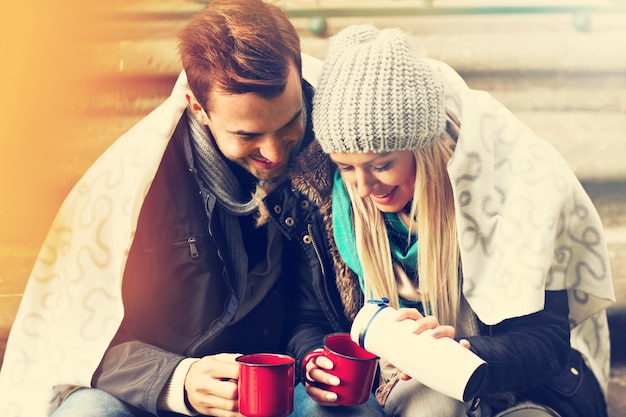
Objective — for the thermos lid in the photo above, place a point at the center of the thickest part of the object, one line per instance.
(364, 318)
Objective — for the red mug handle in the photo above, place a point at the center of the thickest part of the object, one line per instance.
(311, 355)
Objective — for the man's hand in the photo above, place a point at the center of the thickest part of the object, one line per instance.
(211, 385)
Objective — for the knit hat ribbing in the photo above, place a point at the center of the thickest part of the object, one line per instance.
(375, 94)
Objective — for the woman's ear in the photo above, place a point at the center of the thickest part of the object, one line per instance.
(196, 108)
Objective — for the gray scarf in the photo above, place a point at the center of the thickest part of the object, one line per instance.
(216, 174)
(230, 195)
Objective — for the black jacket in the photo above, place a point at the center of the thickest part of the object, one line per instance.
(180, 298)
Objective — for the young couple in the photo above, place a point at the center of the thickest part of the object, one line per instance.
(267, 199)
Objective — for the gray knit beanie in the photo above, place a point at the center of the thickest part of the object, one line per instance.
(375, 94)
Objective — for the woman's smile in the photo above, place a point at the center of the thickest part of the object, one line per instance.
(383, 199)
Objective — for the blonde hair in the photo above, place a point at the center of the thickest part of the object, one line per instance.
(432, 217)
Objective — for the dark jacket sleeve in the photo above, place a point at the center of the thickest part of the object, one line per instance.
(144, 368)
(131, 370)
(525, 351)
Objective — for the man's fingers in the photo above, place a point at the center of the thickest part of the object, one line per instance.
(226, 357)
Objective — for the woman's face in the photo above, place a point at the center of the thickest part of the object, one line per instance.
(388, 178)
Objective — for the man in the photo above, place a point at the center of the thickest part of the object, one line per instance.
(162, 265)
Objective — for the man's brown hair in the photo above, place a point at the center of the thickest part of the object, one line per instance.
(239, 46)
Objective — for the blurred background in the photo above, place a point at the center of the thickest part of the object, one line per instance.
(76, 75)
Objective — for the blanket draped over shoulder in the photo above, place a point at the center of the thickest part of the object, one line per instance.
(525, 225)
(72, 304)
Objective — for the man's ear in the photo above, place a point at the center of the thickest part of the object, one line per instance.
(196, 108)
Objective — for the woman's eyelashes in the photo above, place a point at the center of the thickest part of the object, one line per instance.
(382, 168)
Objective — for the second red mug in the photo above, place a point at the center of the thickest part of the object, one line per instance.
(354, 366)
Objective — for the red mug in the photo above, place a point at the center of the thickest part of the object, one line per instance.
(354, 366)
(266, 383)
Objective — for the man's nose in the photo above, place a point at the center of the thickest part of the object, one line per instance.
(273, 148)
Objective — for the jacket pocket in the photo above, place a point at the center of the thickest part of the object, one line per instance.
(193, 243)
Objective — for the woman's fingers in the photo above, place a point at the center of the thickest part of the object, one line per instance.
(465, 343)
(443, 331)
(408, 313)
(321, 396)
(319, 375)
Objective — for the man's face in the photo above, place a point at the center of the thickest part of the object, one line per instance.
(255, 132)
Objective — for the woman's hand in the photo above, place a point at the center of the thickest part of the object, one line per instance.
(420, 324)
(316, 374)
(211, 385)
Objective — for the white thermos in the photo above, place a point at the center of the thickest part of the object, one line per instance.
(441, 364)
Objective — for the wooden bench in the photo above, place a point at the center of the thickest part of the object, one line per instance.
(319, 10)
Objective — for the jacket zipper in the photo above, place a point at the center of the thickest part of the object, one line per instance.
(193, 249)
(191, 242)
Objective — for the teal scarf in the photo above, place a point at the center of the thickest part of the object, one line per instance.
(402, 252)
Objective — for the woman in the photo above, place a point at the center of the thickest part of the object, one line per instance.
(450, 208)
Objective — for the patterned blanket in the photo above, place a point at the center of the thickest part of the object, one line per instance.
(526, 224)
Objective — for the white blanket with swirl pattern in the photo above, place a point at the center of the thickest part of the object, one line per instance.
(525, 224)
(519, 204)
(72, 306)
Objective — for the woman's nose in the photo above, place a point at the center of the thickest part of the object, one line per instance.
(364, 182)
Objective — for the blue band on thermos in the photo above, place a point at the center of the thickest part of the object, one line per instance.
(382, 303)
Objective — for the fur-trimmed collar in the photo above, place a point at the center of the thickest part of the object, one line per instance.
(311, 174)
